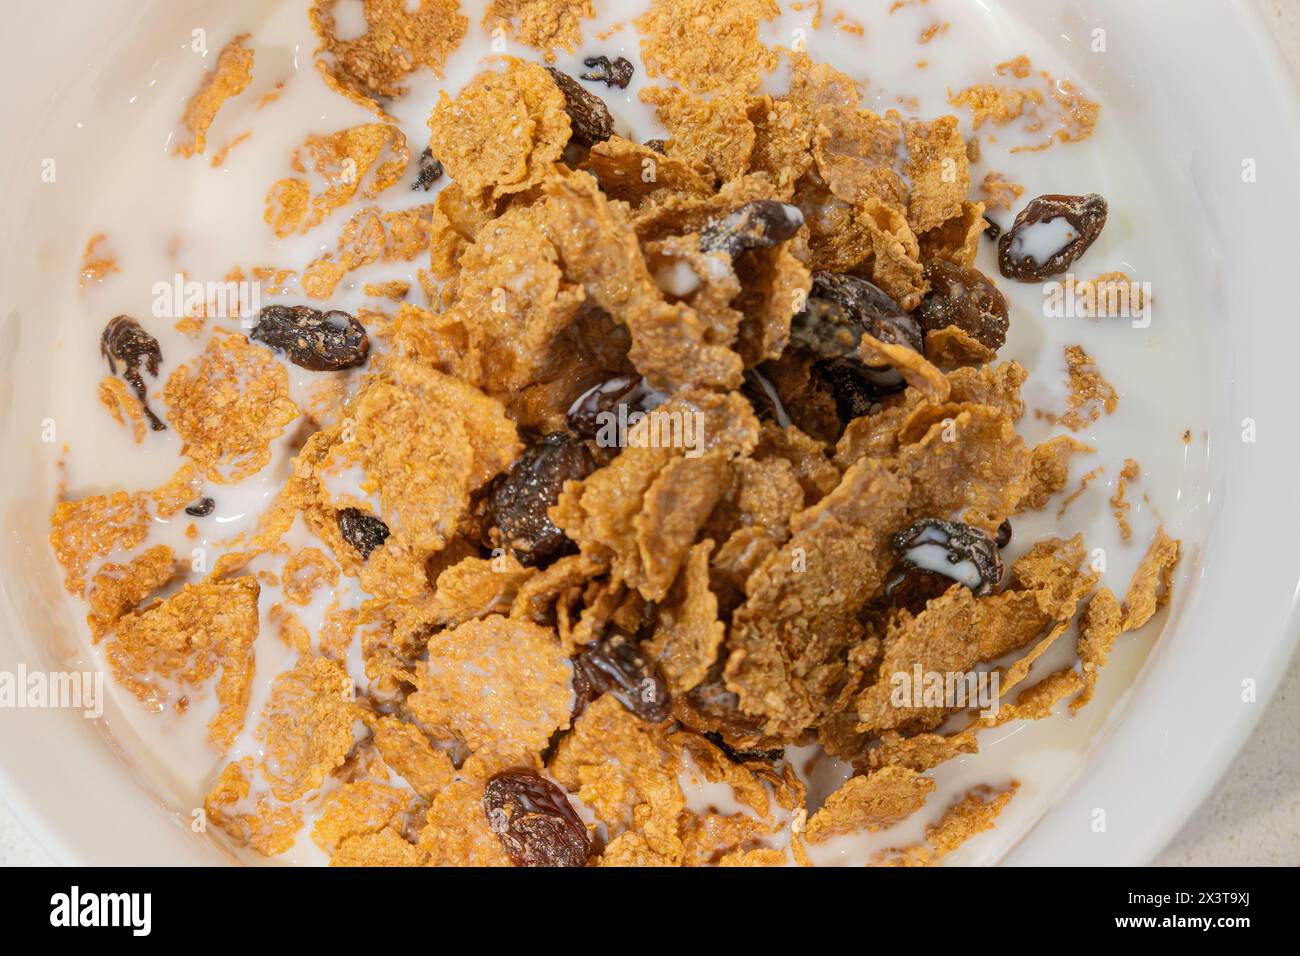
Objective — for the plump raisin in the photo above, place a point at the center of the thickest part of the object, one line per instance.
(129, 349)
(616, 72)
(314, 340)
(363, 531)
(963, 297)
(534, 820)
(840, 308)
(1049, 234)
(1004, 534)
(755, 225)
(430, 171)
(588, 114)
(955, 550)
(516, 509)
(599, 405)
(201, 508)
(743, 756)
(616, 665)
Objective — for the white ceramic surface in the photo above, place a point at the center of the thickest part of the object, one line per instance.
(1156, 757)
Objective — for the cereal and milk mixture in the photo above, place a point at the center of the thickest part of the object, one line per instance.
(592, 542)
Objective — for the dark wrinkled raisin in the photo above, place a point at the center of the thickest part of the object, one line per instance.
(911, 589)
(616, 665)
(992, 229)
(1004, 534)
(599, 405)
(314, 340)
(658, 145)
(851, 387)
(128, 348)
(1034, 249)
(755, 225)
(516, 510)
(202, 508)
(764, 398)
(534, 820)
(588, 113)
(430, 171)
(616, 72)
(955, 550)
(743, 756)
(363, 531)
(840, 308)
(965, 298)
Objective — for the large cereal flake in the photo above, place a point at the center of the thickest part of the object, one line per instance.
(870, 802)
(503, 132)
(183, 640)
(360, 809)
(116, 589)
(687, 632)
(369, 69)
(495, 681)
(306, 726)
(365, 159)
(715, 134)
(544, 25)
(408, 752)
(229, 406)
(457, 831)
(707, 45)
(93, 527)
(938, 172)
(233, 73)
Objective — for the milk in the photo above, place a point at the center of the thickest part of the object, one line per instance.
(164, 216)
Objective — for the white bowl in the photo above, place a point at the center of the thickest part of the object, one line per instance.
(1207, 91)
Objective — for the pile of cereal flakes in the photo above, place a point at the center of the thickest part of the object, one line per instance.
(692, 444)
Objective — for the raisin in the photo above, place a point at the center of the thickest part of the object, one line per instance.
(593, 409)
(616, 665)
(1021, 259)
(911, 589)
(314, 340)
(840, 308)
(755, 225)
(517, 504)
(851, 387)
(534, 820)
(430, 171)
(616, 72)
(1004, 534)
(128, 348)
(743, 756)
(963, 297)
(658, 145)
(955, 550)
(588, 113)
(363, 531)
(992, 230)
(201, 508)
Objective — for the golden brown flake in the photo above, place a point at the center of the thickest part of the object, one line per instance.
(707, 45)
(234, 71)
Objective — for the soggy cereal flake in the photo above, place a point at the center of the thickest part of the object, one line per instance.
(123, 406)
(359, 808)
(707, 45)
(387, 847)
(233, 73)
(938, 172)
(856, 151)
(306, 572)
(896, 265)
(952, 348)
(1118, 502)
(915, 369)
(999, 192)
(503, 132)
(365, 159)
(1151, 586)
(456, 830)
(1090, 394)
(688, 632)
(1100, 624)
(476, 587)
(400, 37)
(95, 270)
(183, 640)
(116, 589)
(1110, 294)
(782, 142)
(495, 681)
(870, 802)
(1049, 470)
(544, 25)
(1000, 105)
(228, 406)
(622, 768)
(970, 816)
(715, 134)
(93, 527)
(408, 752)
(306, 726)
(270, 828)
(957, 239)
